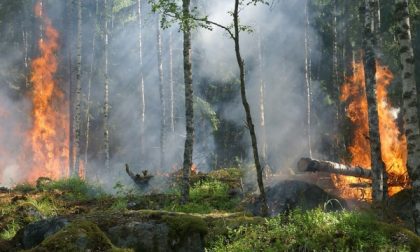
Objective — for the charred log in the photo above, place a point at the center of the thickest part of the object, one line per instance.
(141, 181)
(313, 165)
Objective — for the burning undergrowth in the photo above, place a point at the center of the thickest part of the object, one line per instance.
(393, 142)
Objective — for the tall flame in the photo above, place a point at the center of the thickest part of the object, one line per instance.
(393, 143)
(49, 136)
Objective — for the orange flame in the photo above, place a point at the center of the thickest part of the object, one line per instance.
(49, 136)
(393, 143)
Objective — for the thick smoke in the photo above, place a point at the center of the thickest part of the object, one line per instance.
(281, 31)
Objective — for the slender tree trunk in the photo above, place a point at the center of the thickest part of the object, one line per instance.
(87, 115)
(69, 38)
(189, 105)
(77, 112)
(171, 85)
(410, 113)
(308, 81)
(377, 23)
(161, 95)
(245, 103)
(106, 90)
(26, 54)
(141, 78)
(335, 78)
(262, 108)
(378, 168)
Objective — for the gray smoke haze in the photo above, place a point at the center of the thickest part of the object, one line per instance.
(281, 30)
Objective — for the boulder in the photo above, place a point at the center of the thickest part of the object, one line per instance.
(34, 233)
(78, 236)
(287, 195)
(140, 236)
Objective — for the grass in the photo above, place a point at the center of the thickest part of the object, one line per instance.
(10, 230)
(318, 231)
(75, 189)
(206, 197)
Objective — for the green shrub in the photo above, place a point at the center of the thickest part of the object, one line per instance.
(317, 231)
(205, 197)
(24, 188)
(10, 231)
(75, 189)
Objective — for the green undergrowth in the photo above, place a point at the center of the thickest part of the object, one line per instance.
(318, 231)
(75, 189)
(17, 214)
(208, 196)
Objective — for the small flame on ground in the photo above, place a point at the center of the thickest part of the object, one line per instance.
(49, 136)
(393, 143)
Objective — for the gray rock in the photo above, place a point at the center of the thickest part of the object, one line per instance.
(140, 236)
(153, 236)
(192, 243)
(291, 194)
(34, 233)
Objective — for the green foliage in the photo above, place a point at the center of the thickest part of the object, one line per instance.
(318, 231)
(119, 204)
(10, 231)
(45, 206)
(207, 196)
(206, 111)
(75, 189)
(182, 225)
(24, 188)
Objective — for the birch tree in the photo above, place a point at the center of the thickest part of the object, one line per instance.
(106, 89)
(262, 107)
(77, 112)
(171, 86)
(308, 80)
(410, 112)
(161, 94)
(142, 102)
(184, 17)
(379, 191)
(88, 98)
(189, 102)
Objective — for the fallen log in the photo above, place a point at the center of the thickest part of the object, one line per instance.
(369, 185)
(313, 165)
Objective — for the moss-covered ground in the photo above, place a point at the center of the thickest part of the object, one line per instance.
(215, 211)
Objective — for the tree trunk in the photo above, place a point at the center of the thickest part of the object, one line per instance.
(336, 83)
(262, 109)
(379, 190)
(161, 95)
(69, 45)
(78, 99)
(410, 113)
(106, 90)
(308, 80)
(312, 165)
(189, 105)
(171, 86)
(245, 103)
(141, 79)
(87, 114)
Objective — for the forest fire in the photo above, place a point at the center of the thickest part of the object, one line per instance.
(393, 143)
(48, 139)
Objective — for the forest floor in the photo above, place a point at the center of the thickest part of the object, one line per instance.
(73, 215)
